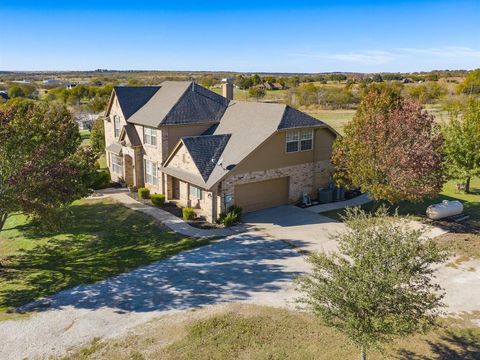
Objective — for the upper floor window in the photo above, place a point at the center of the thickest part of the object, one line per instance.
(299, 141)
(150, 136)
(151, 172)
(116, 125)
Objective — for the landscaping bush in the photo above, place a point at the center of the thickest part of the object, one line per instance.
(143, 193)
(237, 210)
(101, 180)
(188, 213)
(229, 219)
(157, 199)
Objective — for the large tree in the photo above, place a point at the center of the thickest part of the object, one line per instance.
(391, 149)
(97, 136)
(462, 144)
(42, 166)
(379, 285)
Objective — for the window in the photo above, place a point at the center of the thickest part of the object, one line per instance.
(117, 163)
(292, 141)
(151, 172)
(116, 125)
(299, 141)
(150, 136)
(306, 140)
(196, 192)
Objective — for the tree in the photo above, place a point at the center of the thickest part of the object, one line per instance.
(257, 93)
(379, 286)
(97, 137)
(471, 83)
(462, 144)
(42, 166)
(391, 149)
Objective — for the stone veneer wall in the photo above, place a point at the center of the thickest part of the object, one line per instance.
(303, 178)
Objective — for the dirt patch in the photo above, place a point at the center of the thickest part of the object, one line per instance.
(464, 246)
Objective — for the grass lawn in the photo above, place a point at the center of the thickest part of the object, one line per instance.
(254, 332)
(335, 118)
(471, 203)
(100, 239)
(85, 135)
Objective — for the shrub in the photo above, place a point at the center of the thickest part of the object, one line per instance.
(237, 210)
(188, 213)
(229, 218)
(143, 193)
(158, 199)
(101, 179)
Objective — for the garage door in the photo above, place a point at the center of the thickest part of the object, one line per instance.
(262, 194)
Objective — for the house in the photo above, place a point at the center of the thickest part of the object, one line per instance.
(4, 95)
(209, 151)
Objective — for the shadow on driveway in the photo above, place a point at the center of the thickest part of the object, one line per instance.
(228, 270)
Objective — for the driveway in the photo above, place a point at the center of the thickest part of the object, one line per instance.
(302, 228)
(241, 268)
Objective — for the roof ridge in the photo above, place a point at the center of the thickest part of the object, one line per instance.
(209, 97)
(176, 102)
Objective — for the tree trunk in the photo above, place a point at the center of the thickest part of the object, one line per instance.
(363, 355)
(467, 185)
(3, 218)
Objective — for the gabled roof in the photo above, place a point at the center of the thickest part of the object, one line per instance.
(205, 151)
(130, 131)
(243, 128)
(132, 98)
(292, 118)
(178, 103)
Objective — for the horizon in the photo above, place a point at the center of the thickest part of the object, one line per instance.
(272, 37)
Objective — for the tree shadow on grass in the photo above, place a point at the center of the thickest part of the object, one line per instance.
(461, 345)
(100, 240)
(230, 269)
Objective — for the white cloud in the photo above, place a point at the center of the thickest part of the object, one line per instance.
(367, 57)
(443, 52)
(382, 57)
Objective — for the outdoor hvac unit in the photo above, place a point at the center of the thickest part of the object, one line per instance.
(444, 209)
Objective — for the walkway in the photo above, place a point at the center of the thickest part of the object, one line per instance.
(356, 201)
(169, 220)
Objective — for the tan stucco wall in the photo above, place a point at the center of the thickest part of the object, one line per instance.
(272, 154)
(176, 132)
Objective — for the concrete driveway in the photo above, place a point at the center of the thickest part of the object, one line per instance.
(302, 228)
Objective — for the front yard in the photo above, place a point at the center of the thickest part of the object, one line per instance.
(256, 332)
(100, 239)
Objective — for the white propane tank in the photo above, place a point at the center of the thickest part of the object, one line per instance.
(444, 209)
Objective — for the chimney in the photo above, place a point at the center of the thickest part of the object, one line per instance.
(227, 88)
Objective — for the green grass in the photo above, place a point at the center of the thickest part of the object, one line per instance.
(471, 203)
(335, 118)
(99, 240)
(254, 332)
(85, 135)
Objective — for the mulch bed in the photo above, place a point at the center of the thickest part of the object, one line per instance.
(174, 209)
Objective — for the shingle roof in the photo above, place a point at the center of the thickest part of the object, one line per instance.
(205, 151)
(115, 148)
(132, 98)
(131, 133)
(180, 102)
(292, 118)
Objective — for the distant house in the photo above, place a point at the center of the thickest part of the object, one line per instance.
(4, 95)
(70, 86)
(52, 82)
(270, 86)
(208, 151)
(86, 121)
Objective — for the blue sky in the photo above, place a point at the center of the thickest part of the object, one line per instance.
(249, 36)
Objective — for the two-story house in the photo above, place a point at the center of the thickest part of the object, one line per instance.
(209, 151)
